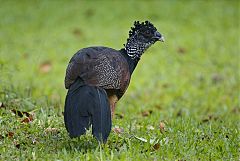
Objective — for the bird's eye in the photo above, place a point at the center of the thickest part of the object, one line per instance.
(147, 32)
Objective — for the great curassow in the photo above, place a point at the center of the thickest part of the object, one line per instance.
(97, 77)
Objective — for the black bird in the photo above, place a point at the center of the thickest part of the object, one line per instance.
(97, 77)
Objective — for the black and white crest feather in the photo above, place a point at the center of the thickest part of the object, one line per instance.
(139, 26)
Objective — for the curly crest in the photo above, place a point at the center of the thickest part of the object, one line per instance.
(138, 26)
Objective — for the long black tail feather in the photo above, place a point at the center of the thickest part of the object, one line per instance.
(86, 105)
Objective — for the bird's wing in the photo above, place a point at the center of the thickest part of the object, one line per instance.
(99, 66)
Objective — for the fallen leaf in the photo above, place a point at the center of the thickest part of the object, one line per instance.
(162, 126)
(159, 107)
(146, 113)
(216, 78)
(17, 145)
(89, 13)
(119, 115)
(209, 118)
(51, 130)
(205, 120)
(1, 137)
(236, 110)
(118, 130)
(25, 55)
(17, 112)
(20, 113)
(45, 67)
(166, 85)
(77, 32)
(205, 137)
(28, 119)
(2, 105)
(181, 50)
(10, 134)
(179, 113)
(156, 146)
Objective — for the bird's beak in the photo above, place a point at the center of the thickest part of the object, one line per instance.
(162, 39)
(158, 37)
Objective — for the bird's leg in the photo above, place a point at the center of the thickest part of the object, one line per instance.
(113, 101)
(113, 109)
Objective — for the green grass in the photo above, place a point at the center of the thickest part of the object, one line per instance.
(190, 82)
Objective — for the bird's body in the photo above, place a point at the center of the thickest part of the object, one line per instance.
(97, 77)
(99, 66)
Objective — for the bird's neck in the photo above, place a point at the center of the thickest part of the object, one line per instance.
(134, 48)
(133, 51)
(132, 63)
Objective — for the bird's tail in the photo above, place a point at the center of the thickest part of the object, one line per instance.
(86, 105)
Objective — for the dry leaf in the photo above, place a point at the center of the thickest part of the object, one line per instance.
(216, 78)
(156, 146)
(10, 134)
(162, 126)
(118, 130)
(17, 145)
(159, 107)
(209, 118)
(77, 32)
(51, 130)
(89, 13)
(2, 105)
(20, 113)
(205, 120)
(181, 50)
(25, 55)
(119, 115)
(179, 113)
(166, 85)
(28, 119)
(17, 112)
(45, 67)
(146, 113)
(1, 137)
(236, 110)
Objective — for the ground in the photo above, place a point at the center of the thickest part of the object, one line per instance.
(183, 100)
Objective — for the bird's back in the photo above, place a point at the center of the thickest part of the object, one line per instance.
(99, 66)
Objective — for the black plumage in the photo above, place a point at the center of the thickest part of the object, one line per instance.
(97, 77)
(88, 105)
(99, 66)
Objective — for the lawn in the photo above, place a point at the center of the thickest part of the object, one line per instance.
(183, 102)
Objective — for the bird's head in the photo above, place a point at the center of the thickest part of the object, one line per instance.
(145, 32)
(141, 37)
